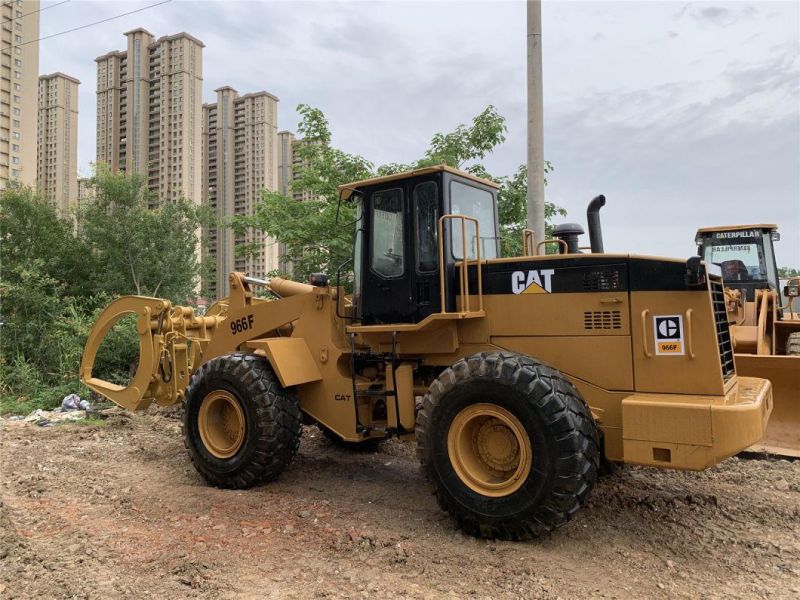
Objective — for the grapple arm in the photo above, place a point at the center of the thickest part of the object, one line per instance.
(171, 341)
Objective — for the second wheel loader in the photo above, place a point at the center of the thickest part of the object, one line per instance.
(764, 321)
(515, 375)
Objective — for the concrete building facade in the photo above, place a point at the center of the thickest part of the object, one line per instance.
(149, 112)
(57, 145)
(19, 74)
(285, 161)
(240, 158)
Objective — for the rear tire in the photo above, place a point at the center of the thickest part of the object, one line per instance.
(509, 445)
(793, 344)
(240, 426)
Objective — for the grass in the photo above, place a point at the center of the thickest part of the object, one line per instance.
(90, 421)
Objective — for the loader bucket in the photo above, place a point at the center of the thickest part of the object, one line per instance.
(132, 395)
(783, 431)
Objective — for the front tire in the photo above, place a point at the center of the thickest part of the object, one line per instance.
(240, 426)
(509, 445)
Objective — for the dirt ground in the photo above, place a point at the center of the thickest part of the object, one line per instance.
(117, 510)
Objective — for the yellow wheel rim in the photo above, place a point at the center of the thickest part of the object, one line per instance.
(490, 450)
(221, 424)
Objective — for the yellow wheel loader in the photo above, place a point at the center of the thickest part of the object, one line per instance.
(516, 376)
(765, 327)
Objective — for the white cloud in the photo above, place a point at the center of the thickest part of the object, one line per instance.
(684, 115)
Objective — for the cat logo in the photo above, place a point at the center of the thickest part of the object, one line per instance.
(532, 282)
(669, 334)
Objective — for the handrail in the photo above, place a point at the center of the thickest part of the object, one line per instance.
(762, 308)
(528, 236)
(553, 241)
(689, 344)
(647, 352)
(464, 275)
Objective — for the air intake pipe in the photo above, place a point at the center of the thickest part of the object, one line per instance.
(593, 221)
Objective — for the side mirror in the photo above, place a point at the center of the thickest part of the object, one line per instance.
(695, 274)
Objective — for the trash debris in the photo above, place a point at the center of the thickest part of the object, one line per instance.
(74, 402)
(45, 418)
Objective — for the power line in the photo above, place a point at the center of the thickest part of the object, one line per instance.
(47, 37)
(33, 12)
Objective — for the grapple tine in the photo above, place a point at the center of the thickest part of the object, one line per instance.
(133, 395)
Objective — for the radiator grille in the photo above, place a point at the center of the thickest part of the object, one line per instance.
(723, 332)
(602, 319)
(605, 280)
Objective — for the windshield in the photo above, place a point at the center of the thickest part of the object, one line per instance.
(741, 255)
(477, 203)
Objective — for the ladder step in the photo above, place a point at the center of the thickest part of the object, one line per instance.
(374, 393)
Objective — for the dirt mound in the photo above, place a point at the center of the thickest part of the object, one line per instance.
(115, 509)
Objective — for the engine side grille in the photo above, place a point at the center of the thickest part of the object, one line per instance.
(723, 332)
(602, 319)
(601, 280)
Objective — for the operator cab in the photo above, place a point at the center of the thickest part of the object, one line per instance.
(396, 254)
(744, 254)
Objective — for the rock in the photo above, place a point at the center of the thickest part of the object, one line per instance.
(670, 564)
(304, 514)
(782, 485)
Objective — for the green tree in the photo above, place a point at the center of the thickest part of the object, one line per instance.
(309, 230)
(138, 249)
(314, 241)
(55, 280)
(512, 210)
(46, 271)
(34, 237)
(788, 272)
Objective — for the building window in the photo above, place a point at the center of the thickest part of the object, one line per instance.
(17, 62)
(16, 111)
(15, 147)
(18, 39)
(17, 75)
(16, 123)
(17, 87)
(15, 160)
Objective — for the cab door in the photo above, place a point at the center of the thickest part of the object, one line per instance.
(386, 292)
(426, 209)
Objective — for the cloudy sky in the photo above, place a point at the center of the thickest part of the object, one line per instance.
(683, 115)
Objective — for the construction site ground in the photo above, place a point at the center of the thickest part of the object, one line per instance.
(115, 509)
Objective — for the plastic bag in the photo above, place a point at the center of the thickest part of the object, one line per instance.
(74, 402)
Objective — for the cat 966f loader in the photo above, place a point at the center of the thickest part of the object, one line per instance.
(515, 375)
(765, 327)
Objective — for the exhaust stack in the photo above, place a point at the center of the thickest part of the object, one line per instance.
(593, 221)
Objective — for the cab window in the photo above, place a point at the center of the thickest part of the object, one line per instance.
(479, 204)
(387, 233)
(427, 221)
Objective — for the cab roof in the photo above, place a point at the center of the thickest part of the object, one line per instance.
(346, 190)
(768, 226)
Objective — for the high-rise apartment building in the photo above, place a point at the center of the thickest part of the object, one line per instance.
(289, 162)
(149, 112)
(19, 73)
(86, 193)
(285, 161)
(57, 146)
(240, 144)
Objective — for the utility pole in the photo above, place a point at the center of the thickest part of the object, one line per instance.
(535, 124)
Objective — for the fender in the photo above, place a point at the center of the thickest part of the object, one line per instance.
(290, 358)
